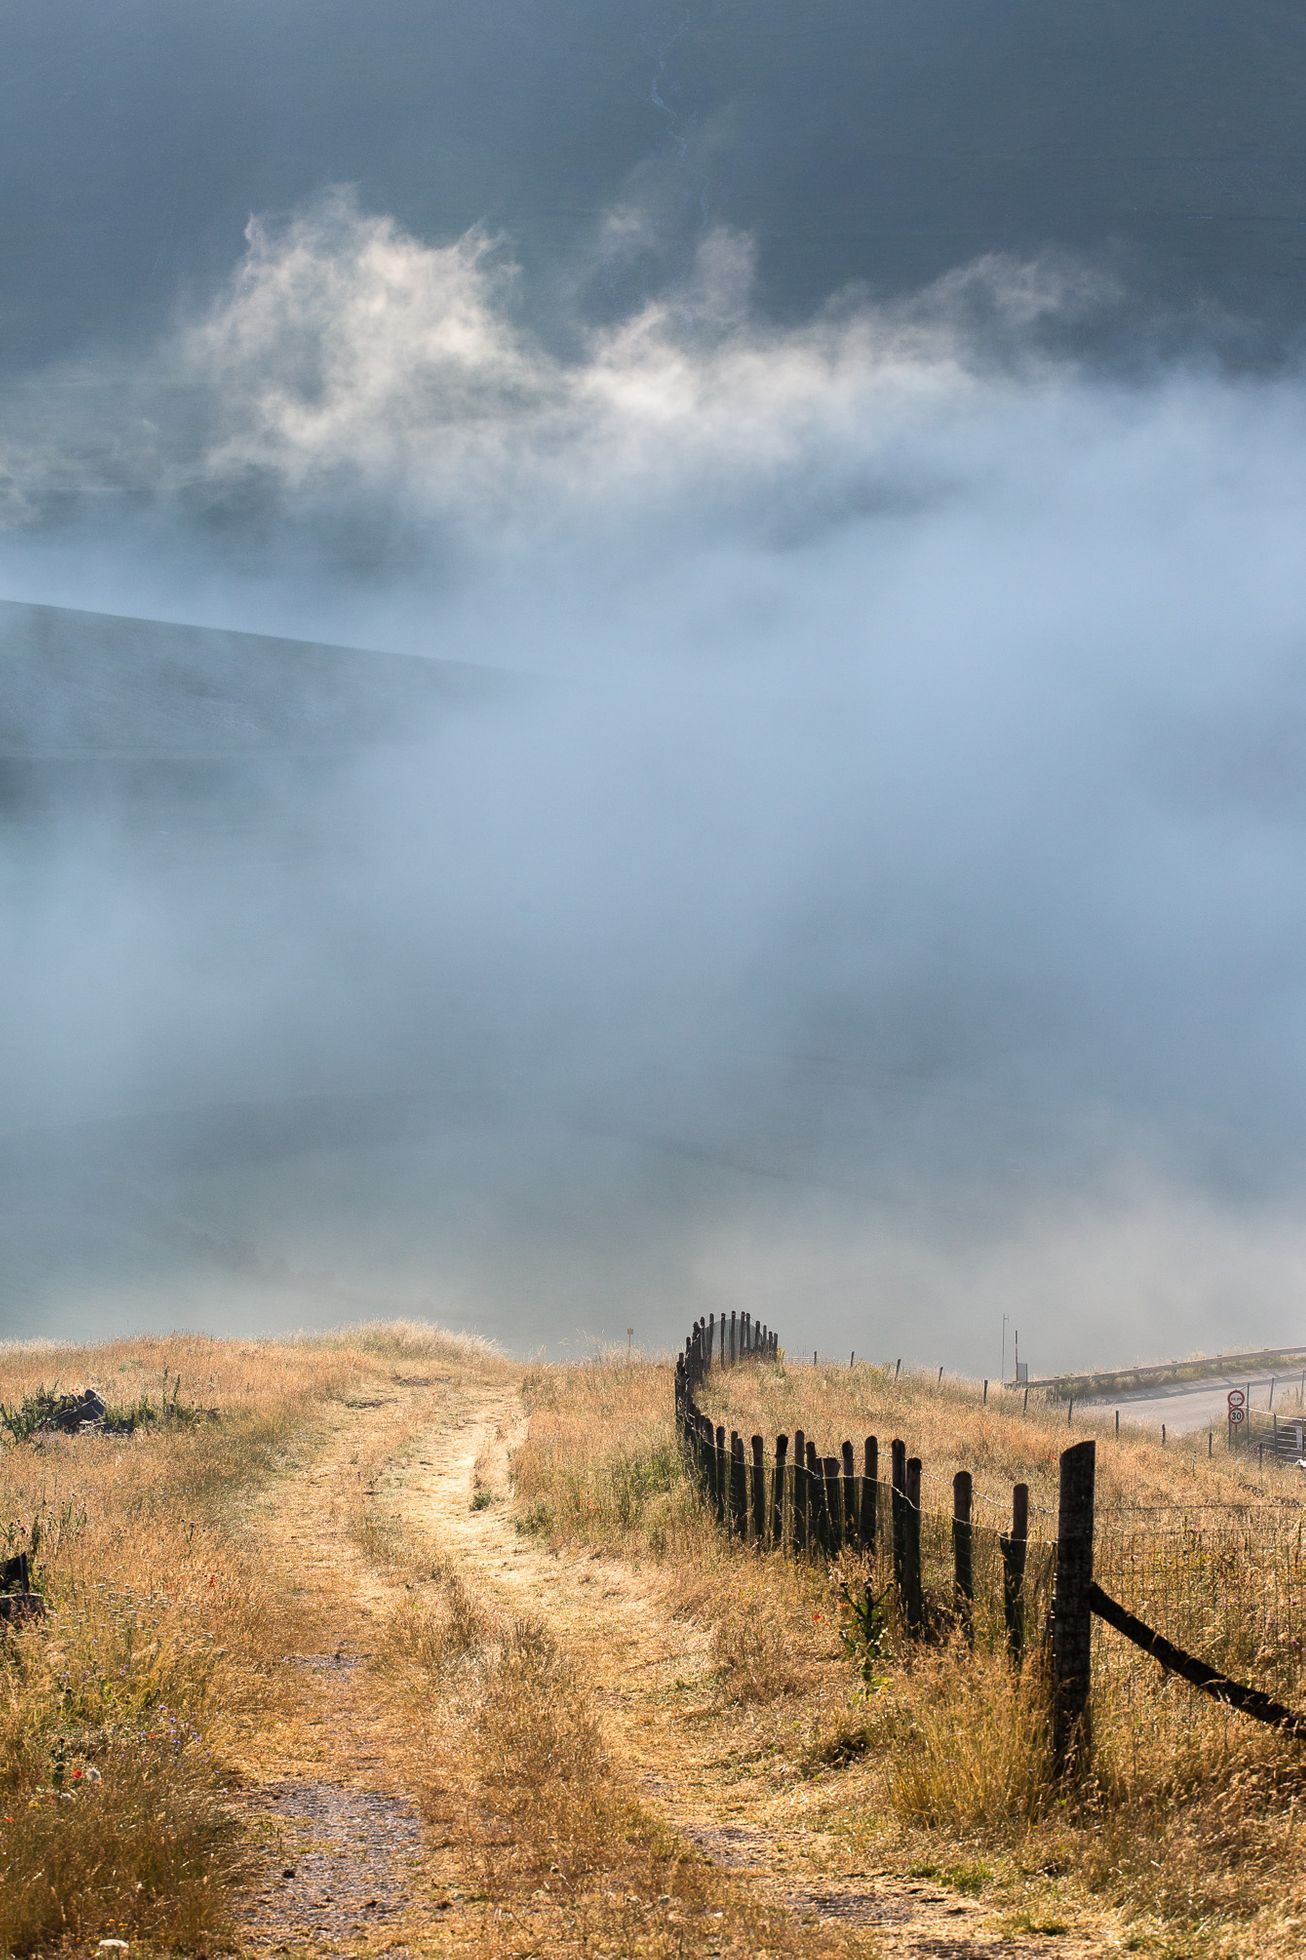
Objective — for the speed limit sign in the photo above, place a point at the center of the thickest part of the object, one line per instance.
(1237, 1405)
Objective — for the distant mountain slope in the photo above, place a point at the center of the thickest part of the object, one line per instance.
(92, 685)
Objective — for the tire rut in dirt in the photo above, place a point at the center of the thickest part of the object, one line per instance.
(350, 1862)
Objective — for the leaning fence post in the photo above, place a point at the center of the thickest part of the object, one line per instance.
(912, 1521)
(778, 1492)
(758, 1492)
(870, 1478)
(1072, 1612)
(800, 1491)
(1013, 1572)
(963, 1552)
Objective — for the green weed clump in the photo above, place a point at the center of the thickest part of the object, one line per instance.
(47, 1411)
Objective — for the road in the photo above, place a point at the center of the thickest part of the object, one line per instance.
(1190, 1406)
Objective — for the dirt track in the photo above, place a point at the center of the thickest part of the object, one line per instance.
(349, 1867)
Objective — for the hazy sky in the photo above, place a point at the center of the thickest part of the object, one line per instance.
(878, 432)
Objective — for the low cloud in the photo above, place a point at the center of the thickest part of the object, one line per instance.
(889, 908)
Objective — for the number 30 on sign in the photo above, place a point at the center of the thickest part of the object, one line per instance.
(1237, 1405)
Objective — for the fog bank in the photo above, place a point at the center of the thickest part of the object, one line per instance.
(865, 888)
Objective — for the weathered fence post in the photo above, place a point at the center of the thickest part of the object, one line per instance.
(1013, 1572)
(897, 1510)
(1072, 1612)
(833, 1518)
(722, 1473)
(711, 1339)
(849, 1532)
(963, 1552)
(870, 1478)
(912, 1520)
(800, 1491)
(734, 1337)
(738, 1499)
(778, 1492)
(758, 1492)
(820, 1512)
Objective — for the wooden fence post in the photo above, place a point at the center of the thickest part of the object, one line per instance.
(897, 1509)
(1014, 1549)
(870, 1477)
(912, 1520)
(820, 1514)
(849, 1532)
(778, 1492)
(711, 1338)
(1072, 1612)
(830, 1504)
(738, 1500)
(963, 1552)
(758, 1493)
(722, 1473)
(800, 1491)
(734, 1336)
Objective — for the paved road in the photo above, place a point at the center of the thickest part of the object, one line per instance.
(1201, 1405)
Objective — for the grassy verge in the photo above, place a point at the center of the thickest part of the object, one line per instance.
(120, 1714)
(1190, 1833)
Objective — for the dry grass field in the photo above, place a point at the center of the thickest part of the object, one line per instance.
(385, 1643)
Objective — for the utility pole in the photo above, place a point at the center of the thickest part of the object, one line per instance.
(1003, 1375)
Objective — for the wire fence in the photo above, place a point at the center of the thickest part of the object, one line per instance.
(1224, 1581)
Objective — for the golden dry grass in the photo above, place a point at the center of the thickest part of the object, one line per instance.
(124, 1719)
(1191, 1826)
(509, 1760)
(121, 1716)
